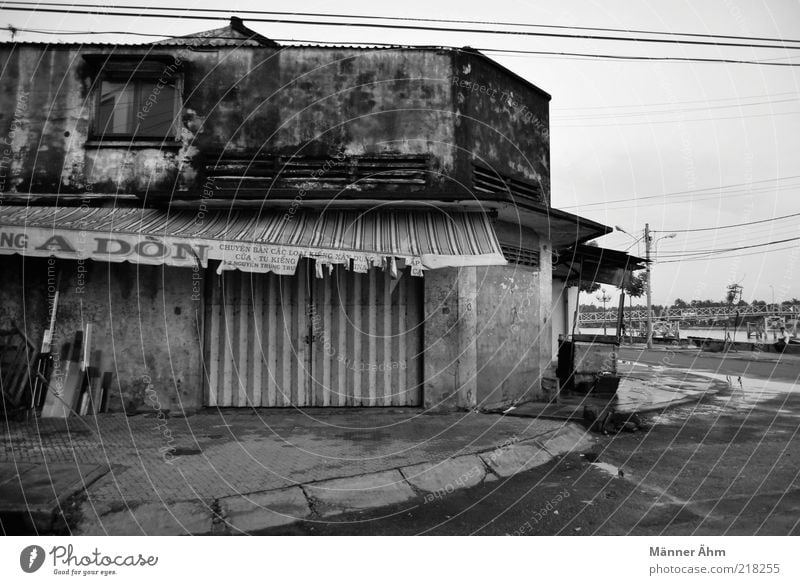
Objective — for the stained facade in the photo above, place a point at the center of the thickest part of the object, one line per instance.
(330, 144)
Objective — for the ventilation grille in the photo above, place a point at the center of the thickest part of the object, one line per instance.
(488, 181)
(229, 171)
(378, 170)
(522, 256)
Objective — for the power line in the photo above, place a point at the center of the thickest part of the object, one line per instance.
(514, 53)
(677, 111)
(715, 257)
(724, 250)
(687, 199)
(691, 201)
(722, 227)
(728, 238)
(146, 13)
(706, 101)
(522, 52)
(679, 120)
(633, 198)
(418, 19)
(694, 241)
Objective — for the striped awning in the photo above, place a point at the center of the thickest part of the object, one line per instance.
(252, 241)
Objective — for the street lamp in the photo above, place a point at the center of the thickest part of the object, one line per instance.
(604, 298)
(635, 239)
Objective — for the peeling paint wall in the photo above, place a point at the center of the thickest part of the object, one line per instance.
(503, 123)
(23, 296)
(298, 101)
(39, 108)
(367, 102)
(146, 316)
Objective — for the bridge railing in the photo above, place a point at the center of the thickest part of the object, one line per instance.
(695, 313)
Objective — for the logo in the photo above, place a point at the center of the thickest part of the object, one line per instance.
(31, 558)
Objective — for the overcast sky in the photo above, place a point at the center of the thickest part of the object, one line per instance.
(624, 133)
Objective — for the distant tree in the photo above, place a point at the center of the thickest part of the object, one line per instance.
(680, 304)
(704, 303)
(588, 287)
(635, 286)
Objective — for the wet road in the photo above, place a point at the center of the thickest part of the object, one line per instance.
(729, 464)
(770, 366)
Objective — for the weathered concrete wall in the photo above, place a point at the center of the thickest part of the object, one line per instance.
(509, 335)
(488, 330)
(502, 123)
(299, 101)
(303, 101)
(40, 105)
(147, 316)
(450, 381)
(24, 295)
(366, 102)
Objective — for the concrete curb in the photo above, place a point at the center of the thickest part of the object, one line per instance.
(254, 512)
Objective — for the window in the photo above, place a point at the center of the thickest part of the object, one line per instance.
(138, 102)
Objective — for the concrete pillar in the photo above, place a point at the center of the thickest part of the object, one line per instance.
(545, 281)
(450, 339)
(572, 301)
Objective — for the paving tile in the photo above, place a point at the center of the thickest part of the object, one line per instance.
(516, 458)
(253, 512)
(338, 496)
(239, 452)
(446, 476)
(154, 519)
(571, 438)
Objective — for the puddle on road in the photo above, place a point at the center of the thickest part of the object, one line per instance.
(606, 467)
(744, 393)
(738, 394)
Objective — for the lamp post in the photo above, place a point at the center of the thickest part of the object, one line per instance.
(604, 297)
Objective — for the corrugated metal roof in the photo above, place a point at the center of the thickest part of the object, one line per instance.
(182, 42)
(427, 239)
(236, 34)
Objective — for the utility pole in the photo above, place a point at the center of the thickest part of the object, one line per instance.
(649, 332)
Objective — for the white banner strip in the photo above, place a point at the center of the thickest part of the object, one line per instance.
(331, 560)
(186, 252)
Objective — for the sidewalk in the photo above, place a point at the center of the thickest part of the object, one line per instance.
(642, 389)
(241, 471)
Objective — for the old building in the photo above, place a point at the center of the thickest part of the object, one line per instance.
(248, 224)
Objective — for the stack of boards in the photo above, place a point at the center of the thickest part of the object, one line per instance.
(80, 380)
